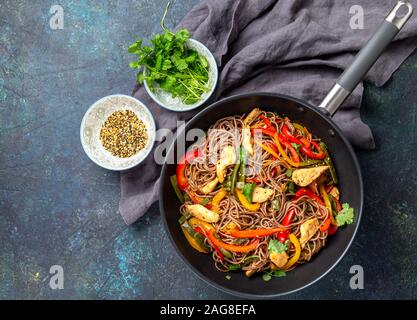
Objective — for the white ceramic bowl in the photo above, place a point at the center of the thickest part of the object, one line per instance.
(165, 100)
(94, 119)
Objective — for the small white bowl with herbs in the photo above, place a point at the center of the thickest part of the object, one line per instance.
(179, 73)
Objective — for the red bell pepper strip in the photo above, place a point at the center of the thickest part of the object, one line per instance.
(319, 154)
(305, 192)
(326, 225)
(182, 164)
(216, 248)
(294, 155)
(231, 247)
(305, 142)
(332, 229)
(255, 233)
(287, 133)
(264, 131)
(289, 216)
(268, 123)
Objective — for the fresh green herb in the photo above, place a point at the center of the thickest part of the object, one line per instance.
(205, 201)
(234, 267)
(276, 246)
(248, 190)
(289, 173)
(277, 273)
(172, 65)
(296, 146)
(177, 190)
(291, 187)
(276, 204)
(266, 277)
(345, 216)
(228, 277)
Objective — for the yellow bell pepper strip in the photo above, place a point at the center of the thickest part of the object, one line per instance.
(218, 197)
(245, 203)
(327, 202)
(194, 223)
(193, 242)
(282, 152)
(293, 239)
(231, 247)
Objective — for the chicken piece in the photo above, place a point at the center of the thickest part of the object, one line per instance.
(261, 194)
(308, 230)
(252, 116)
(202, 213)
(303, 177)
(335, 193)
(279, 259)
(210, 186)
(246, 140)
(227, 158)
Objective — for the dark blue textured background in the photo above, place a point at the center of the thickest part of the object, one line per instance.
(57, 207)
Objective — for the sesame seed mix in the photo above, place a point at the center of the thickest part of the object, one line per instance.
(123, 134)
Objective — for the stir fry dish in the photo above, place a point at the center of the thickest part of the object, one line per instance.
(267, 203)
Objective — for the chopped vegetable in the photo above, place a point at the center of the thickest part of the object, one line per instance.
(275, 246)
(220, 195)
(345, 216)
(248, 190)
(231, 247)
(305, 192)
(327, 202)
(245, 203)
(293, 260)
(319, 154)
(177, 190)
(329, 162)
(184, 218)
(228, 277)
(226, 253)
(282, 152)
(252, 116)
(195, 239)
(185, 159)
(255, 233)
(234, 267)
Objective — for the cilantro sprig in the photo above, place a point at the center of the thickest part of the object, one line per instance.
(172, 65)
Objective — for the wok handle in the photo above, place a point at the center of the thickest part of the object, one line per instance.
(366, 57)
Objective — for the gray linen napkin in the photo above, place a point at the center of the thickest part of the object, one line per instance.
(295, 47)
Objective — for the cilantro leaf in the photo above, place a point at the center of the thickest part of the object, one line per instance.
(345, 216)
(276, 246)
(279, 273)
(266, 277)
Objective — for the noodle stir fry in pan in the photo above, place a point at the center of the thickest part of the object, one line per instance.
(259, 194)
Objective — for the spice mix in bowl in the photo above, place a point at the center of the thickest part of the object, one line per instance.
(117, 132)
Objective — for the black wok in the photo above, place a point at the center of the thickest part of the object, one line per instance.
(319, 122)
